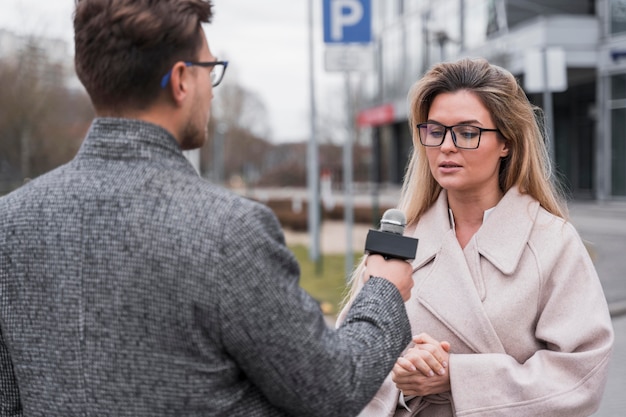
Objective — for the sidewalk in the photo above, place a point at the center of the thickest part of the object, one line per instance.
(614, 402)
(603, 227)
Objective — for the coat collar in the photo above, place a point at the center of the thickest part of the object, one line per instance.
(112, 138)
(513, 217)
(503, 254)
(451, 288)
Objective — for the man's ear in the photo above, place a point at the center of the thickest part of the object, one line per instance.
(179, 83)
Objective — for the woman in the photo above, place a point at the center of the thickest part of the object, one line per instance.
(506, 299)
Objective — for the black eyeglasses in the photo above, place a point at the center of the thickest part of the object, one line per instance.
(216, 74)
(464, 136)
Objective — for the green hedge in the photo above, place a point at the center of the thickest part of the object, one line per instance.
(297, 219)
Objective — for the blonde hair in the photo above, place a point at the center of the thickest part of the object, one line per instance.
(520, 124)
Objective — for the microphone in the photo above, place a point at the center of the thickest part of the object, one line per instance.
(389, 241)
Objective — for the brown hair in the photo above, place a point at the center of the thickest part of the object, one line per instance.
(124, 47)
(528, 164)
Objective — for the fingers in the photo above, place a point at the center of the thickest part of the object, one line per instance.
(405, 365)
(422, 386)
(377, 265)
(414, 383)
(424, 338)
(398, 272)
(432, 352)
(417, 363)
(422, 370)
(425, 362)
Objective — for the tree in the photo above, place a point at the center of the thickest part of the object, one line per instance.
(238, 132)
(239, 108)
(42, 121)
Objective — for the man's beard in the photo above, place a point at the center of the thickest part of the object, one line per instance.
(192, 137)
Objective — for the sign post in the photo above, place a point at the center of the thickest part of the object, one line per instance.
(313, 160)
(348, 35)
(545, 71)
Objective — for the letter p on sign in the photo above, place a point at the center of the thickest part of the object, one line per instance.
(347, 21)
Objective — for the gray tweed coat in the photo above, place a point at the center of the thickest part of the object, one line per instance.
(129, 286)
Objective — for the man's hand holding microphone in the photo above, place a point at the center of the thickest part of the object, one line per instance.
(389, 252)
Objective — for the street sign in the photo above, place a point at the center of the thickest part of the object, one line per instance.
(545, 70)
(352, 57)
(347, 21)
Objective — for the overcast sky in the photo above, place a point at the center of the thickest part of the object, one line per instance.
(265, 42)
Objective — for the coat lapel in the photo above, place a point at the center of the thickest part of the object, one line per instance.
(434, 224)
(447, 290)
(505, 234)
(449, 293)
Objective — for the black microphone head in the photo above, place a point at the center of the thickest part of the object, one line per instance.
(393, 221)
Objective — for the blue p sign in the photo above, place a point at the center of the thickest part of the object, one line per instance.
(347, 21)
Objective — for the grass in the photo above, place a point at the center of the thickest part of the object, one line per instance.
(325, 282)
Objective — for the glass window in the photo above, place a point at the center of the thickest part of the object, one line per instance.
(445, 28)
(476, 15)
(618, 135)
(415, 51)
(617, 15)
(392, 62)
(618, 87)
(618, 152)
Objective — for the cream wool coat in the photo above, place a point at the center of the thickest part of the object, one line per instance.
(522, 308)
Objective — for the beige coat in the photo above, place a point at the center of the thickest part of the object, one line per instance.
(522, 308)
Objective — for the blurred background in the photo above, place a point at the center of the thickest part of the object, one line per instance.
(290, 84)
(313, 109)
(570, 55)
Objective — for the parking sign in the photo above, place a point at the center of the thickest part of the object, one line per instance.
(347, 21)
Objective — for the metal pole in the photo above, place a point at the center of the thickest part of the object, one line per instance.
(462, 24)
(375, 176)
(425, 37)
(218, 153)
(312, 160)
(375, 163)
(603, 145)
(348, 208)
(25, 151)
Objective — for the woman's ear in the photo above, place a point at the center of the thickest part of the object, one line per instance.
(504, 152)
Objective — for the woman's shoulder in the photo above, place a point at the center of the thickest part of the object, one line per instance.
(551, 232)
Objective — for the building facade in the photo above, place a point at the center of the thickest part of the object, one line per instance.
(586, 116)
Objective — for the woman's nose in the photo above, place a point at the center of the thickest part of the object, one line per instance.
(448, 143)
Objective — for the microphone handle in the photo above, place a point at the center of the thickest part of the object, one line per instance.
(390, 245)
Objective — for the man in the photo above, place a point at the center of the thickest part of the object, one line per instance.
(131, 287)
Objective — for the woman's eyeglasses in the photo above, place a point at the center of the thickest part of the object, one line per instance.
(464, 136)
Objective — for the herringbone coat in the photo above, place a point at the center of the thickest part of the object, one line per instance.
(129, 286)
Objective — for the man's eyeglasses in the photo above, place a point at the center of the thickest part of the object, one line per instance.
(216, 74)
(464, 136)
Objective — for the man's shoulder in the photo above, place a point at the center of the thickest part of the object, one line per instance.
(32, 188)
(218, 202)
(201, 190)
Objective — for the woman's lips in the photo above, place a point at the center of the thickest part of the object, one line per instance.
(449, 167)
